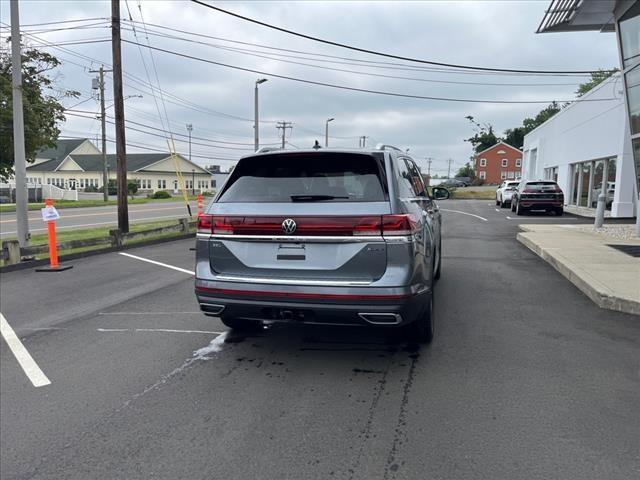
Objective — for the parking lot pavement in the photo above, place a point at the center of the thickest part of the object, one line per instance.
(526, 378)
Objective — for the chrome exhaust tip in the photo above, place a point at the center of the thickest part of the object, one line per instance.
(381, 318)
(211, 308)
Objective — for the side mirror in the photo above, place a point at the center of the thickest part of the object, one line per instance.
(440, 193)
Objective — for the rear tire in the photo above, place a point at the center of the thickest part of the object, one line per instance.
(421, 330)
(520, 210)
(503, 204)
(241, 325)
(497, 201)
(513, 206)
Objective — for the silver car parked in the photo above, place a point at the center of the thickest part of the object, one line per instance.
(339, 237)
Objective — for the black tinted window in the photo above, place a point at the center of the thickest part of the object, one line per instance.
(541, 185)
(337, 177)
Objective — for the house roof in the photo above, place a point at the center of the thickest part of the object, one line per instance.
(496, 145)
(61, 150)
(93, 162)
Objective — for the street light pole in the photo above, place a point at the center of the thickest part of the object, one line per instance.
(256, 139)
(189, 129)
(326, 132)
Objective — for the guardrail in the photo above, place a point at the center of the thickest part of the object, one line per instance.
(11, 252)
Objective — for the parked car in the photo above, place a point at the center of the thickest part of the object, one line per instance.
(334, 237)
(504, 192)
(611, 190)
(452, 182)
(537, 195)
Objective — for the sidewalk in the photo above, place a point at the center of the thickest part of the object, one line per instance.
(606, 275)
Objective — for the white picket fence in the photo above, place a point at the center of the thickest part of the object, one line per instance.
(48, 191)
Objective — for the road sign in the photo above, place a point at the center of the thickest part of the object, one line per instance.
(49, 213)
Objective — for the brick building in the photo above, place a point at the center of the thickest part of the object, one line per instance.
(498, 163)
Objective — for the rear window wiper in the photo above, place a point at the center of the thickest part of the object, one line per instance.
(314, 198)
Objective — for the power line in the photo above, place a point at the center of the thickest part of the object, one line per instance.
(388, 55)
(270, 56)
(364, 90)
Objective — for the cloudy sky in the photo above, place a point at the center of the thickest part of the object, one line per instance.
(218, 101)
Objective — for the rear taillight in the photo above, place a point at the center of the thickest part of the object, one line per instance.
(308, 226)
(404, 224)
(204, 223)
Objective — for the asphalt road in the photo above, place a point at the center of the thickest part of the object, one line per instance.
(526, 378)
(91, 217)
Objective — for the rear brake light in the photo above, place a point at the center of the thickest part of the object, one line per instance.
(204, 223)
(404, 224)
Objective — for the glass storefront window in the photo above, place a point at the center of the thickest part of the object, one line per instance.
(629, 27)
(632, 79)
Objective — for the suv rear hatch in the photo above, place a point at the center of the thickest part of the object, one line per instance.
(301, 217)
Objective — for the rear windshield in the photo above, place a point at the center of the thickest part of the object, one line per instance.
(307, 177)
(541, 185)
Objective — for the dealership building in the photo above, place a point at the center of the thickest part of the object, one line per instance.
(594, 142)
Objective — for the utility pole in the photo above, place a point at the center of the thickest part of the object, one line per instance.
(256, 128)
(284, 125)
(189, 129)
(20, 162)
(326, 132)
(121, 147)
(103, 118)
(450, 161)
(363, 141)
(429, 160)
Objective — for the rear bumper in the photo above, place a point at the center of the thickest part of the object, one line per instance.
(337, 306)
(541, 204)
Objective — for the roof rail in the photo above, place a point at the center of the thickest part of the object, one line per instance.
(383, 146)
(267, 149)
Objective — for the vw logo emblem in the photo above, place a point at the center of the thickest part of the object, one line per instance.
(289, 226)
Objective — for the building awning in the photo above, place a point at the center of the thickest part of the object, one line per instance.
(578, 16)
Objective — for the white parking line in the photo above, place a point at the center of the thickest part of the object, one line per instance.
(99, 214)
(158, 263)
(540, 218)
(26, 361)
(147, 313)
(464, 213)
(162, 330)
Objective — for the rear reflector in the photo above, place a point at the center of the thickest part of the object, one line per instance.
(296, 295)
(309, 226)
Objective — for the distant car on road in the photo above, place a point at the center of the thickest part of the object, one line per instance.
(504, 192)
(333, 237)
(537, 195)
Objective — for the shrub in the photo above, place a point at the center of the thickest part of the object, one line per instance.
(161, 194)
(91, 189)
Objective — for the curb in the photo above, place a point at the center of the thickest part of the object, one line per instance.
(91, 253)
(582, 280)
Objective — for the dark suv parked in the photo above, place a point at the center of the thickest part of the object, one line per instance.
(543, 195)
(340, 237)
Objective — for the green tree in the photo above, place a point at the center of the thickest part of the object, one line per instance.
(132, 188)
(466, 171)
(484, 136)
(42, 108)
(515, 136)
(596, 79)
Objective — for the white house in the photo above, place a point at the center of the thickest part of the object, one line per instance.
(78, 165)
(573, 146)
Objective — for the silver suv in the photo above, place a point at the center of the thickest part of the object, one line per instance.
(333, 237)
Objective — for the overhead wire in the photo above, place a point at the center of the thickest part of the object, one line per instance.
(272, 56)
(388, 55)
(363, 90)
